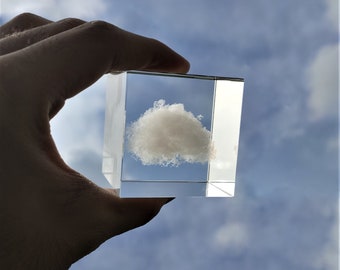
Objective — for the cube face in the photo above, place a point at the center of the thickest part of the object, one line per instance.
(170, 135)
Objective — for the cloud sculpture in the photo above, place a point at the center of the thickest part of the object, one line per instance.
(168, 135)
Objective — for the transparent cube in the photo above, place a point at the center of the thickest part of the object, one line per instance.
(170, 135)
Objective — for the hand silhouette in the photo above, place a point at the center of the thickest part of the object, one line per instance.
(50, 215)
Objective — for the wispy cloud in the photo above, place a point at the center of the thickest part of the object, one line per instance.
(232, 237)
(329, 257)
(323, 78)
(228, 234)
(79, 125)
(333, 12)
(54, 9)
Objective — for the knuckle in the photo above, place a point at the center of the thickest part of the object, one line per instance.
(25, 18)
(22, 22)
(71, 22)
(101, 26)
(102, 31)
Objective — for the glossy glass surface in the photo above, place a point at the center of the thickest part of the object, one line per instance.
(170, 135)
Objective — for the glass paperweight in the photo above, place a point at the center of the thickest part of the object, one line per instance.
(171, 135)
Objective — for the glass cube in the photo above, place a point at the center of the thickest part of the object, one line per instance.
(171, 135)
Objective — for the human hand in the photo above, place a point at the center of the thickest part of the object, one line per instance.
(50, 215)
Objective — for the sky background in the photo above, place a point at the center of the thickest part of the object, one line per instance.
(285, 212)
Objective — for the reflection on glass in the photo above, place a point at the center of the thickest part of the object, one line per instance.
(169, 135)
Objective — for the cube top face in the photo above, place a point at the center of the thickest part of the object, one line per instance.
(170, 135)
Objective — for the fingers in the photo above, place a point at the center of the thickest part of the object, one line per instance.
(148, 54)
(21, 23)
(68, 56)
(28, 37)
(74, 59)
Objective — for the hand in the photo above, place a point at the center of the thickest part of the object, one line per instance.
(50, 215)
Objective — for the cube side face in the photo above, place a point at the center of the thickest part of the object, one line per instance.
(214, 104)
(114, 129)
(225, 137)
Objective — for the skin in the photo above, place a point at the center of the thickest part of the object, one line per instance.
(50, 215)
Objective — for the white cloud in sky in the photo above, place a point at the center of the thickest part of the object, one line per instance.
(232, 235)
(333, 12)
(54, 9)
(78, 127)
(333, 143)
(323, 79)
(169, 135)
(329, 254)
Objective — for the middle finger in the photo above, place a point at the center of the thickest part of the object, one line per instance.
(24, 39)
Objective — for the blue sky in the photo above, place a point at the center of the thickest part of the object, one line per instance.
(285, 213)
